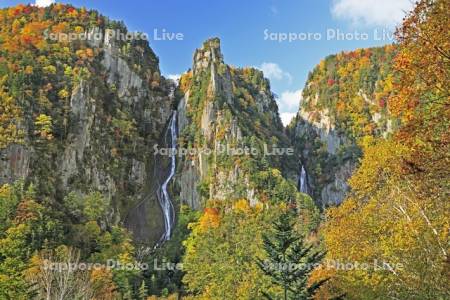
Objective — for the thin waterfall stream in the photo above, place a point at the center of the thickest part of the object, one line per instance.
(303, 181)
(164, 199)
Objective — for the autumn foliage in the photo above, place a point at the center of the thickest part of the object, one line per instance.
(398, 210)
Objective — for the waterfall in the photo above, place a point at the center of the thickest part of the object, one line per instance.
(164, 199)
(303, 181)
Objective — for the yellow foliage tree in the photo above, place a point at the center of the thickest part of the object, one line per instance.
(44, 126)
(397, 218)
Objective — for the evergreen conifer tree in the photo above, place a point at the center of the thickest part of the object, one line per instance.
(289, 261)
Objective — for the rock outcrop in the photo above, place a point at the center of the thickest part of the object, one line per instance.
(222, 108)
(313, 128)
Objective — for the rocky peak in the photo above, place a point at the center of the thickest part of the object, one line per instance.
(224, 107)
(208, 55)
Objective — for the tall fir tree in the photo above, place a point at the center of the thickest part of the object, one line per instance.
(143, 291)
(289, 261)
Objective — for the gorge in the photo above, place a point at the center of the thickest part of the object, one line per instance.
(219, 109)
(104, 159)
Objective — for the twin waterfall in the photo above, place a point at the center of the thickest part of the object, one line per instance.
(164, 199)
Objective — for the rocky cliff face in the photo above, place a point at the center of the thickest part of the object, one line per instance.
(223, 108)
(319, 148)
(344, 100)
(112, 118)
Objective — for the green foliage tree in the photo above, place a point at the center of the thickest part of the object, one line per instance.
(10, 115)
(95, 206)
(289, 261)
(29, 227)
(8, 204)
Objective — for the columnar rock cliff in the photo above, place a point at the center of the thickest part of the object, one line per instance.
(225, 108)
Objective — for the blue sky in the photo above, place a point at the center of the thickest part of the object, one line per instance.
(251, 32)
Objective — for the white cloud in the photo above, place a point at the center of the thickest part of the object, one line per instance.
(288, 104)
(286, 118)
(290, 100)
(371, 12)
(274, 72)
(44, 3)
(174, 77)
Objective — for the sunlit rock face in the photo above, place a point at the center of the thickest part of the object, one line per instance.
(222, 107)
